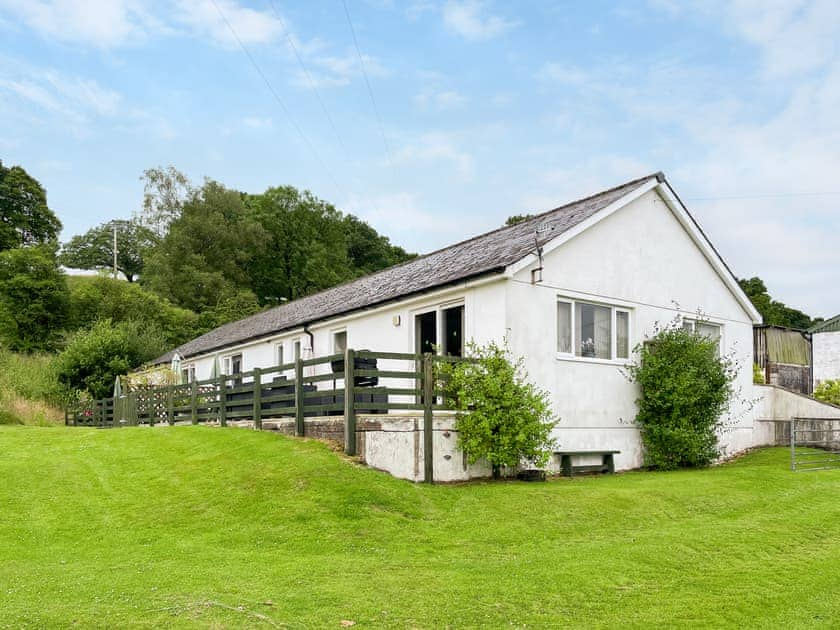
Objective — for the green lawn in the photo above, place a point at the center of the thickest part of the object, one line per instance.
(196, 526)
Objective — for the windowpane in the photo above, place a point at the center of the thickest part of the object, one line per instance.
(340, 341)
(622, 334)
(711, 331)
(279, 353)
(593, 331)
(564, 327)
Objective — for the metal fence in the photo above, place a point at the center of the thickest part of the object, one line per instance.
(347, 384)
(814, 444)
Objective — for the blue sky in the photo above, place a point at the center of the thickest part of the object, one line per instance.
(486, 109)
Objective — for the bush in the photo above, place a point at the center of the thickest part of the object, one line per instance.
(97, 298)
(29, 390)
(685, 389)
(758, 374)
(94, 358)
(500, 416)
(828, 391)
(33, 299)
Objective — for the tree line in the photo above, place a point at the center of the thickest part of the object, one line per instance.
(192, 258)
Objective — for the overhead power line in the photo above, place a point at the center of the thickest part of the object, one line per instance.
(765, 196)
(309, 79)
(279, 100)
(367, 82)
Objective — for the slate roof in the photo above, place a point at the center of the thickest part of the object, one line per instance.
(482, 255)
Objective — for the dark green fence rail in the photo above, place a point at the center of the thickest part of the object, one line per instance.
(347, 384)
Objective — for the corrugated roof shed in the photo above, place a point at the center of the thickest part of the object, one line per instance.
(485, 254)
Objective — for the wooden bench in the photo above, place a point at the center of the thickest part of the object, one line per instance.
(607, 464)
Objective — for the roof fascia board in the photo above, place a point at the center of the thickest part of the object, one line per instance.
(343, 319)
(582, 226)
(690, 226)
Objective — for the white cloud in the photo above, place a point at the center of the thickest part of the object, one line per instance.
(215, 19)
(471, 20)
(102, 24)
(439, 100)
(255, 122)
(562, 73)
(437, 149)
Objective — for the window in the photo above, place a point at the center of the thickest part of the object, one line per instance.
(297, 350)
(278, 353)
(440, 330)
(593, 331)
(339, 341)
(705, 329)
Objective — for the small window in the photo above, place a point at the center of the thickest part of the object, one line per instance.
(593, 331)
(622, 334)
(278, 353)
(564, 327)
(297, 350)
(340, 341)
(705, 329)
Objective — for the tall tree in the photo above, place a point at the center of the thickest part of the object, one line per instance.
(33, 298)
(205, 258)
(165, 191)
(25, 218)
(772, 311)
(369, 251)
(306, 250)
(95, 248)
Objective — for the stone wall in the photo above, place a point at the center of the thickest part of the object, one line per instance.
(777, 406)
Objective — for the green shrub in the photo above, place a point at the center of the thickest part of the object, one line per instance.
(501, 417)
(94, 358)
(828, 391)
(97, 298)
(685, 390)
(29, 390)
(758, 374)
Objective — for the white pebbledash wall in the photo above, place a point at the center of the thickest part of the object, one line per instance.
(826, 352)
(639, 258)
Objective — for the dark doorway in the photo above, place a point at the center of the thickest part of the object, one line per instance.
(426, 327)
(453, 331)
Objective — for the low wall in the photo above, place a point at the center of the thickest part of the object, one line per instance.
(778, 406)
(393, 443)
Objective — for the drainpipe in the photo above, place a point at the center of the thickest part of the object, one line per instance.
(311, 340)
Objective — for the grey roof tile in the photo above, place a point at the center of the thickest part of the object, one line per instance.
(485, 254)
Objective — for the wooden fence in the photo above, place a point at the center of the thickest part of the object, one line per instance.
(355, 382)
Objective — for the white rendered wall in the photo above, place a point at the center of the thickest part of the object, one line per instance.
(639, 258)
(826, 352)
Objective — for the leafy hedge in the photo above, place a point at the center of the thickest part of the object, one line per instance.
(828, 391)
(685, 390)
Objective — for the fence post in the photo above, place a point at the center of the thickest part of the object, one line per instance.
(428, 418)
(170, 403)
(194, 401)
(349, 401)
(257, 399)
(223, 400)
(299, 400)
(793, 443)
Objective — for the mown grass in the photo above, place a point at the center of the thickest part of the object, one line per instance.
(29, 390)
(204, 527)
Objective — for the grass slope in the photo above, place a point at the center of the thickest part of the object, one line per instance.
(195, 526)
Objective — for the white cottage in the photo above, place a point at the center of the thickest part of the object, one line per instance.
(573, 290)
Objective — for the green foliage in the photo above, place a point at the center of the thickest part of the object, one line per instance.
(369, 251)
(95, 249)
(93, 358)
(97, 298)
(165, 191)
(685, 388)
(29, 390)
(206, 256)
(758, 374)
(25, 218)
(773, 312)
(828, 391)
(517, 218)
(231, 308)
(33, 299)
(500, 415)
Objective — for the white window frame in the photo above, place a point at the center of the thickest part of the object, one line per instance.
(614, 308)
(227, 364)
(712, 322)
(334, 334)
(279, 352)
